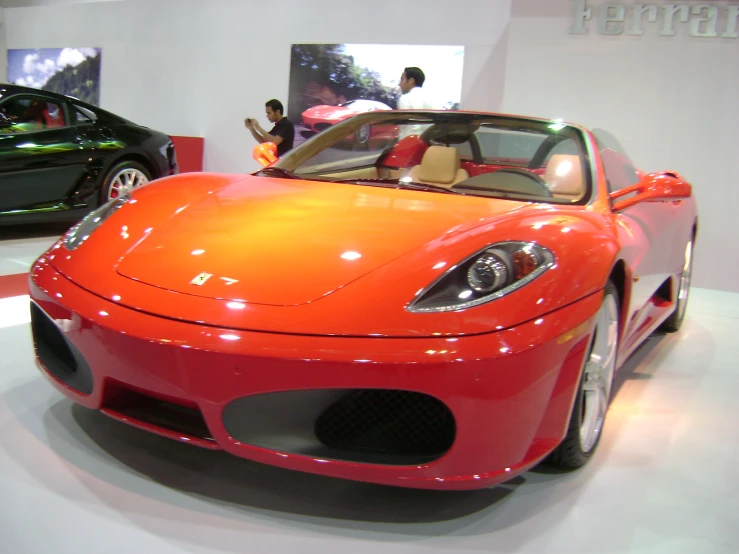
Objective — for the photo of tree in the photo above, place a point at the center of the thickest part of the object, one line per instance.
(330, 82)
(71, 71)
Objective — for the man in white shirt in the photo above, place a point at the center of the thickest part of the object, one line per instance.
(413, 97)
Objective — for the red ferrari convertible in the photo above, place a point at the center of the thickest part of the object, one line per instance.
(320, 118)
(440, 310)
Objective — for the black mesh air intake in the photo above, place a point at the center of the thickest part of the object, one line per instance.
(387, 421)
(185, 420)
(57, 354)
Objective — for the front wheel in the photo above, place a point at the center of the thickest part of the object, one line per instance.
(363, 134)
(122, 179)
(594, 392)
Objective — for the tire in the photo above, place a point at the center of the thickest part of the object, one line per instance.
(123, 177)
(363, 134)
(675, 320)
(594, 390)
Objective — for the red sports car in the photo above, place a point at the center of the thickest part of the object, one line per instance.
(444, 311)
(319, 118)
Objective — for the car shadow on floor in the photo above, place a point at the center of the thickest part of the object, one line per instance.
(226, 478)
(75, 453)
(110, 456)
(114, 456)
(632, 369)
(34, 230)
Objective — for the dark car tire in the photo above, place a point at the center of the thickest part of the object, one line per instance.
(675, 321)
(363, 134)
(123, 177)
(594, 390)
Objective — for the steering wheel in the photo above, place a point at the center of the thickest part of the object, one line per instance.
(525, 183)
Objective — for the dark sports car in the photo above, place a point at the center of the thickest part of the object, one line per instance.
(61, 157)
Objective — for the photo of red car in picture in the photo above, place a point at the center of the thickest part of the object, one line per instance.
(321, 117)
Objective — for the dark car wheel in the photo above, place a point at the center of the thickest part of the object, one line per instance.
(122, 178)
(674, 322)
(594, 391)
(363, 134)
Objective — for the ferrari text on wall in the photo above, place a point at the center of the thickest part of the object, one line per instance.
(715, 20)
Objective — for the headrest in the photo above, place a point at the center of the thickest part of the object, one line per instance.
(564, 175)
(439, 165)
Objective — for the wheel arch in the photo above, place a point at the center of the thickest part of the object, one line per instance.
(673, 284)
(619, 277)
(135, 157)
(124, 157)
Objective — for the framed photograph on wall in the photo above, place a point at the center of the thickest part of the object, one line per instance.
(330, 82)
(71, 71)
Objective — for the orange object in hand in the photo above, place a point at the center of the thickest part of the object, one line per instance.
(265, 153)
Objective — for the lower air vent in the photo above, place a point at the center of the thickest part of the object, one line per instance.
(57, 354)
(387, 421)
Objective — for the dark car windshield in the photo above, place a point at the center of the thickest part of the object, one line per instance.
(467, 153)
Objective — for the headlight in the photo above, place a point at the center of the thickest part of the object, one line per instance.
(495, 271)
(79, 233)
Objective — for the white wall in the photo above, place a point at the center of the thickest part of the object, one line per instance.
(671, 100)
(26, 3)
(3, 48)
(191, 67)
(196, 67)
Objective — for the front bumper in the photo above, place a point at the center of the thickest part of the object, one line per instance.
(509, 393)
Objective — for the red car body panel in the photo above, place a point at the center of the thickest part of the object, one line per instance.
(318, 118)
(506, 370)
(183, 362)
(458, 220)
(325, 114)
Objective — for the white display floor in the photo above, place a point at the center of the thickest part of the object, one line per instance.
(664, 479)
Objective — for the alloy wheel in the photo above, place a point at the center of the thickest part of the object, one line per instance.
(363, 134)
(125, 181)
(598, 374)
(684, 286)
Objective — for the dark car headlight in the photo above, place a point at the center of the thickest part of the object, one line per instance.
(491, 273)
(79, 233)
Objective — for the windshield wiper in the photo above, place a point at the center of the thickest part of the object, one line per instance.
(428, 187)
(360, 181)
(397, 184)
(277, 172)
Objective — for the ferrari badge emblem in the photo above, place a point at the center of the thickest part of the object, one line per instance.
(201, 279)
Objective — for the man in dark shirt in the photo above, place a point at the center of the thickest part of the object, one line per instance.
(282, 134)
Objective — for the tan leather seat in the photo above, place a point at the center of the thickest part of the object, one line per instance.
(440, 166)
(564, 176)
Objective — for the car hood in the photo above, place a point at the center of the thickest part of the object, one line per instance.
(328, 112)
(284, 242)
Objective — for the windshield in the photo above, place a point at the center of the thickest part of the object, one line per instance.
(464, 153)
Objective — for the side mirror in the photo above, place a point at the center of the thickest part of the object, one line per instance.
(265, 153)
(654, 187)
